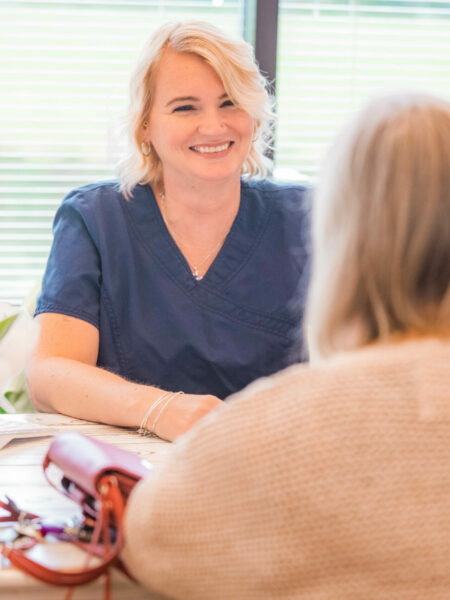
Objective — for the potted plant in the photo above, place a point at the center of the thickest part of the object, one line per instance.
(18, 337)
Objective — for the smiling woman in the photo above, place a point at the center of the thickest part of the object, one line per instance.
(200, 137)
(233, 66)
(197, 131)
(190, 273)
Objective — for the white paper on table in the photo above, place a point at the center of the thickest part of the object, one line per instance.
(13, 429)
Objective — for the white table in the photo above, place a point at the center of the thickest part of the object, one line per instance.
(21, 477)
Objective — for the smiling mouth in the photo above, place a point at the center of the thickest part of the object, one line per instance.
(211, 149)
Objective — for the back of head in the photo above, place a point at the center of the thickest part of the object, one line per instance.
(382, 227)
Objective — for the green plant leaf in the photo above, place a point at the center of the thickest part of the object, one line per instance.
(6, 324)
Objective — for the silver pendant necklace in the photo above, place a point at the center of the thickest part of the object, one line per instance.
(194, 268)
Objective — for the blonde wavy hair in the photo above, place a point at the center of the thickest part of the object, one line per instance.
(234, 63)
(381, 225)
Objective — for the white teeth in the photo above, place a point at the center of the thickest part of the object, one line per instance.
(211, 148)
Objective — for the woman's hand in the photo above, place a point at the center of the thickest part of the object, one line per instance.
(182, 412)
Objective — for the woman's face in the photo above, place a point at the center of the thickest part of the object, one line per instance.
(194, 127)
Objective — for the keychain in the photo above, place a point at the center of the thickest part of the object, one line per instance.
(21, 526)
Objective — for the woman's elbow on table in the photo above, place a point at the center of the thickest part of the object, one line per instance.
(63, 343)
(38, 383)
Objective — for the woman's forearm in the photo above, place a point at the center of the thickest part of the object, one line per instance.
(63, 377)
(87, 392)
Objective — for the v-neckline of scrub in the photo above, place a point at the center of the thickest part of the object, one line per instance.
(236, 248)
(214, 250)
(178, 252)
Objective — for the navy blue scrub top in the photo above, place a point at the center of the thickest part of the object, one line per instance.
(114, 264)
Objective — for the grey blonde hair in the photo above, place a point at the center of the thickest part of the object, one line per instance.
(382, 227)
(234, 63)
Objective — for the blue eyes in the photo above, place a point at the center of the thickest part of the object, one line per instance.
(189, 107)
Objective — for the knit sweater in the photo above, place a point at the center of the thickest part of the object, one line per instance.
(329, 482)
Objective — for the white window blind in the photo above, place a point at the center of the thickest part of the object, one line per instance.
(64, 70)
(333, 56)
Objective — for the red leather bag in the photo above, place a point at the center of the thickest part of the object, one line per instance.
(99, 477)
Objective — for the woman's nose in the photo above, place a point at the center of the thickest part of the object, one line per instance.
(211, 123)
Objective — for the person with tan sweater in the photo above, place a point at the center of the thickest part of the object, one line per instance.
(331, 480)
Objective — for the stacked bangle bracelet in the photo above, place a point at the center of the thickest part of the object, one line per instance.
(162, 400)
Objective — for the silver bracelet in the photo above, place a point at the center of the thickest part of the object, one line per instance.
(166, 403)
(142, 429)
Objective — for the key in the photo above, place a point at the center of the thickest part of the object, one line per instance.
(29, 530)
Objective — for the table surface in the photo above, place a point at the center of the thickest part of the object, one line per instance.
(22, 478)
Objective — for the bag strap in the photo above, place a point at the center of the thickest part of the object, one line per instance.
(110, 515)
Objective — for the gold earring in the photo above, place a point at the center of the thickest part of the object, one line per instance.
(145, 124)
(146, 148)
